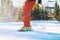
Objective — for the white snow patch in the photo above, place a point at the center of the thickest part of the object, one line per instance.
(12, 38)
(11, 27)
(41, 27)
(49, 26)
(53, 28)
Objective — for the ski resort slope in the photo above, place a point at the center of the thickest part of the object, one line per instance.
(41, 30)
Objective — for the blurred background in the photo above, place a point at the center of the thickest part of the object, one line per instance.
(12, 10)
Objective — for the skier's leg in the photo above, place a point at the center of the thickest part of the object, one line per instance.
(27, 9)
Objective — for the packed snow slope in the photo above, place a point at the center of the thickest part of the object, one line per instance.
(41, 30)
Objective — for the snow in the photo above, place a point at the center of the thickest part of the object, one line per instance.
(54, 28)
(41, 30)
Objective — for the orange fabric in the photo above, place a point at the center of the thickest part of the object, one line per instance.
(27, 9)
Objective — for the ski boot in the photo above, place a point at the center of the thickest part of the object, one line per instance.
(25, 28)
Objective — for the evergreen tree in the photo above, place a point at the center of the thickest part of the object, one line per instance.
(56, 8)
(38, 14)
(43, 15)
(35, 13)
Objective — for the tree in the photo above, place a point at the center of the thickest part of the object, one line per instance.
(38, 13)
(56, 8)
(35, 13)
(44, 15)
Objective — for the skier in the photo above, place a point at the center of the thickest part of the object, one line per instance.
(29, 4)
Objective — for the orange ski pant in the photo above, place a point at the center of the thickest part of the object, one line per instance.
(27, 9)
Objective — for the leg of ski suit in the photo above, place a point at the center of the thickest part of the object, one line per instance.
(29, 4)
(27, 9)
